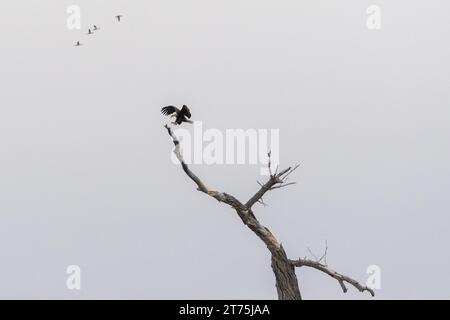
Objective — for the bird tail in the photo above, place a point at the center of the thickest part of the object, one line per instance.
(188, 121)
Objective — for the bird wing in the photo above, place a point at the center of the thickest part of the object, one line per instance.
(186, 112)
(169, 110)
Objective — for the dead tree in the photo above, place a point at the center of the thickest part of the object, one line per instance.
(283, 267)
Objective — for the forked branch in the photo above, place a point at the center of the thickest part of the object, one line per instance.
(276, 180)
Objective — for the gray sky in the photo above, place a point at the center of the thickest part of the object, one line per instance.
(86, 175)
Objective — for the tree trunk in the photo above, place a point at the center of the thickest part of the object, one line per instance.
(285, 277)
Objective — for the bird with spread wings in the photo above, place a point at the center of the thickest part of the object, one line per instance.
(179, 115)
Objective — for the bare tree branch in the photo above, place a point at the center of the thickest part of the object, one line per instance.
(277, 180)
(282, 185)
(324, 255)
(339, 277)
(313, 255)
(244, 212)
(177, 151)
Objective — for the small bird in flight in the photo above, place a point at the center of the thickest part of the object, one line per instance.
(77, 44)
(179, 115)
(96, 28)
(90, 31)
(118, 17)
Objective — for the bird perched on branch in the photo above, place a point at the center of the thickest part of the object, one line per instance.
(179, 115)
(118, 17)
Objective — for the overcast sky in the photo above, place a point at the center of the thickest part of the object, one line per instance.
(85, 171)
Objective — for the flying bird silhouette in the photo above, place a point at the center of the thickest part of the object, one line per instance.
(179, 115)
(118, 17)
(77, 44)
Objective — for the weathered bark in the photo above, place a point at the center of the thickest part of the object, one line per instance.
(286, 279)
(284, 269)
